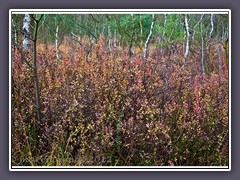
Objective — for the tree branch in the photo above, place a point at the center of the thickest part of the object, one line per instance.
(23, 56)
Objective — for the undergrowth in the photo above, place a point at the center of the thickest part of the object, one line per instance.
(103, 108)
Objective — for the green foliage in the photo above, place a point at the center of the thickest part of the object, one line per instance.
(174, 28)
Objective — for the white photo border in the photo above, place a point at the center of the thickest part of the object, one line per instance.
(118, 168)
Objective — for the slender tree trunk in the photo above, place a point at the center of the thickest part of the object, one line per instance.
(187, 36)
(15, 43)
(141, 28)
(203, 69)
(15, 37)
(57, 43)
(26, 30)
(35, 70)
(163, 34)
(109, 40)
(146, 51)
(14, 47)
(210, 35)
(115, 36)
(119, 42)
(76, 38)
(131, 40)
(226, 51)
(219, 53)
(219, 59)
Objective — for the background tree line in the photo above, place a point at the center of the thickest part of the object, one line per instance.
(127, 30)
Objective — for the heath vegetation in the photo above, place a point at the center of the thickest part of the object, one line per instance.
(119, 90)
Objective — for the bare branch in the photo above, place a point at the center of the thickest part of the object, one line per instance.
(23, 56)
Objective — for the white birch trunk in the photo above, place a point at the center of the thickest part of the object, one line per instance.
(203, 69)
(223, 32)
(15, 34)
(26, 29)
(109, 40)
(212, 26)
(188, 36)
(15, 37)
(149, 37)
(56, 43)
(15, 43)
(115, 37)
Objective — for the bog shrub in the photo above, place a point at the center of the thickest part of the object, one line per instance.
(100, 110)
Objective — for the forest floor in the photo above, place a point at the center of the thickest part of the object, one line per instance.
(106, 108)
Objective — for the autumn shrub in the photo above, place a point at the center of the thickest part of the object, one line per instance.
(100, 110)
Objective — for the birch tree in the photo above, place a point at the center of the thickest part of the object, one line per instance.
(145, 55)
(57, 37)
(115, 36)
(219, 51)
(15, 42)
(35, 68)
(57, 43)
(210, 35)
(109, 40)
(188, 37)
(26, 31)
(194, 28)
(203, 69)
